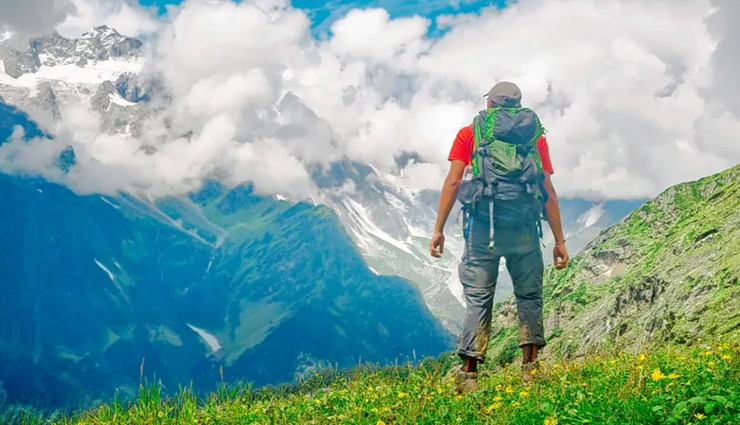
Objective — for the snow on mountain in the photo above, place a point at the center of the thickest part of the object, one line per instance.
(592, 216)
(73, 74)
(391, 225)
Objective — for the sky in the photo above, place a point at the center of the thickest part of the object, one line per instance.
(323, 13)
(635, 95)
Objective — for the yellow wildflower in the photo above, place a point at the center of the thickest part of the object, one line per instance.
(658, 375)
(493, 407)
(374, 410)
(498, 387)
(509, 390)
(458, 397)
(533, 372)
(612, 361)
(516, 404)
(439, 390)
(498, 398)
(726, 357)
(673, 375)
(160, 414)
(711, 364)
(402, 394)
(523, 394)
(700, 416)
(551, 421)
(380, 422)
(642, 358)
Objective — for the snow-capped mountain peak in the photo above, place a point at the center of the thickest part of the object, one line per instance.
(96, 45)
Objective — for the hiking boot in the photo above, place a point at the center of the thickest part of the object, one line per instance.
(530, 371)
(466, 382)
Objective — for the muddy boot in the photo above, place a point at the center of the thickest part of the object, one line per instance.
(530, 371)
(466, 382)
(465, 377)
(530, 365)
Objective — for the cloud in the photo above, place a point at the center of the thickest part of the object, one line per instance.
(33, 17)
(126, 16)
(724, 24)
(636, 96)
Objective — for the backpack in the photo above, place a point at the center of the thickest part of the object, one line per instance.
(505, 168)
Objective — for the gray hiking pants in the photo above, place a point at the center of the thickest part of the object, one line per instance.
(478, 271)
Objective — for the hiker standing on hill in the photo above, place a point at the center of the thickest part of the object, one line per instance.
(500, 171)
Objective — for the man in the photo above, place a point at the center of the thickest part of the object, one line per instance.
(502, 221)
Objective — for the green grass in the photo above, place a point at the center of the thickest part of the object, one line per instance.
(676, 385)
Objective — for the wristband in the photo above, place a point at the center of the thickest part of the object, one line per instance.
(561, 242)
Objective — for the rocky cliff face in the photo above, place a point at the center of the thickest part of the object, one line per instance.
(668, 272)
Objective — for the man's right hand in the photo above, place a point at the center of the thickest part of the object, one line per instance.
(437, 245)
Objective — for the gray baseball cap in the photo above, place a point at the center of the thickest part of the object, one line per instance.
(505, 93)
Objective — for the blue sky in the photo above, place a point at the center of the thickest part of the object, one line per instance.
(324, 12)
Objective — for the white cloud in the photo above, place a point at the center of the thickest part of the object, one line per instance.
(126, 16)
(636, 96)
(33, 17)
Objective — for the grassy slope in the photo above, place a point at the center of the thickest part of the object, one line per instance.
(669, 272)
(684, 386)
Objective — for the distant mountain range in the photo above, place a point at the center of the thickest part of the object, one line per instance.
(223, 277)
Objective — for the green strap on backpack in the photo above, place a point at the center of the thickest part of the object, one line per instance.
(505, 162)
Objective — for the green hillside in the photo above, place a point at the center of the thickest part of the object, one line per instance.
(667, 273)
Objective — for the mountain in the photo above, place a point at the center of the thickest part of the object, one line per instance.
(97, 45)
(667, 273)
(583, 220)
(390, 224)
(98, 288)
(52, 70)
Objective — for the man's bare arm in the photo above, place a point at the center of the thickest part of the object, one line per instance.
(552, 209)
(446, 202)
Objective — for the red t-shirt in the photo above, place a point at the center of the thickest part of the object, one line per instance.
(462, 148)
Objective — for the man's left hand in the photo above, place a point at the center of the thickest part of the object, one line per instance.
(560, 256)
